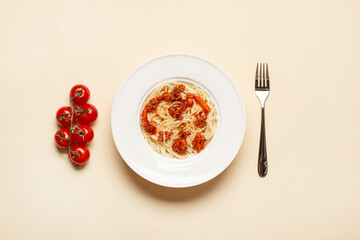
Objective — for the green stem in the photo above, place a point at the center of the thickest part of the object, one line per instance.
(61, 137)
(71, 125)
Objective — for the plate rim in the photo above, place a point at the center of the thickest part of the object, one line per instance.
(174, 54)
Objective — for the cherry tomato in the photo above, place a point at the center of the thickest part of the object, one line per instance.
(83, 134)
(79, 154)
(86, 114)
(63, 116)
(80, 94)
(62, 138)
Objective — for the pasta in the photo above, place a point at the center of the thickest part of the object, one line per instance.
(178, 119)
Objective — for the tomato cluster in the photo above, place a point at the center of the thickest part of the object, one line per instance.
(75, 120)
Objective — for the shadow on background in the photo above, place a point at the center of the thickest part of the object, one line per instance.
(166, 193)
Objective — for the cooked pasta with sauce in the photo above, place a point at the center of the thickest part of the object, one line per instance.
(178, 119)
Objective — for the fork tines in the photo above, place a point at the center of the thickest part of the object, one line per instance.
(262, 77)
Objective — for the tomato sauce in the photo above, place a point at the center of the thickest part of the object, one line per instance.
(164, 136)
(149, 127)
(200, 119)
(180, 145)
(187, 102)
(199, 142)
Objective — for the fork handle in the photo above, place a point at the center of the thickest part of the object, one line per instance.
(262, 161)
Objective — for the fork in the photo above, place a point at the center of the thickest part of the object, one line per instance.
(262, 90)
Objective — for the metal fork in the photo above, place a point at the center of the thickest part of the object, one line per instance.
(262, 90)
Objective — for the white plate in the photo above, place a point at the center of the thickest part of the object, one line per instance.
(218, 154)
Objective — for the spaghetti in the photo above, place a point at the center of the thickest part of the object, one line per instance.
(178, 119)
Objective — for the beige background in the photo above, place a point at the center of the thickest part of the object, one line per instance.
(313, 187)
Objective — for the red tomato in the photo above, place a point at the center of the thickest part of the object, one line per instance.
(83, 134)
(86, 114)
(63, 116)
(79, 154)
(62, 138)
(80, 94)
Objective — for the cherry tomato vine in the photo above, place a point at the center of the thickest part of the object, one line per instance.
(75, 132)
